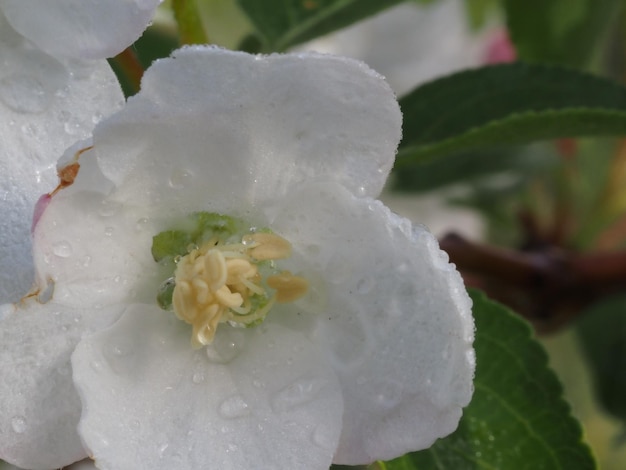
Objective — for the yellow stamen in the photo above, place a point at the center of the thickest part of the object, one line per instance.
(288, 287)
(267, 246)
(219, 283)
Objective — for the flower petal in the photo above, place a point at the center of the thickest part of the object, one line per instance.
(411, 43)
(397, 322)
(260, 398)
(95, 251)
(45, 105)
(81, 29)
(40, 408)
(194, 138)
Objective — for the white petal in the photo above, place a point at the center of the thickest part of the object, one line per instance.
(196, 138)
(95, 251)
(397, 320)
(410, 43)
(39, 407)
(45, 105)
(266, 399)
(81, 29)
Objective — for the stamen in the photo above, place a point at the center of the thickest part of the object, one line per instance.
(288, 287)
(267, 246)
(218, 283)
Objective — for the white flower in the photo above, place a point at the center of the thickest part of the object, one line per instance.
(80, 29)
(411, 43)
(50, 96)
(365, 352)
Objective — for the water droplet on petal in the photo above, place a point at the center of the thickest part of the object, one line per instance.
(18, 423)
(108, 231)
(388, 394)
(226, 346)
(322, 437)
(300, 392)
(231, 448)
(179, 178)
(162, 449)
(198, 377)
(142, 224)
(109, 208)
(134, 425)
(234, 407)
(62, 249)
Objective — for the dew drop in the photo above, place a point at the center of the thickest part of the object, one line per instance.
(29, 130)
(18, 423)
(120, 350)
(86, 261)
(72, 127)
(227, 345)
(163, 449)
(134, 425)
(179, 178)
(62, 249)
(108, 231)
(389, 394)
(322, 437)
(109, 208)
(232, 448)
(198, 377)
(141, 224)
(365, 285)
(234, 407)
(300, 392)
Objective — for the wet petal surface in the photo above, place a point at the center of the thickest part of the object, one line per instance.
(260, 398)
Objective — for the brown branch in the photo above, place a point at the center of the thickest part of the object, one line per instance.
(549, 286)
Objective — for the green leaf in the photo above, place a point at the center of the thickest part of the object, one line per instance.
(190, 26)
(472, 167)
(562, 31)
(602, 334)
(169, 244)
(222, 22)
(506, 105)
(285, 23)
(517, 418)
(480, 11)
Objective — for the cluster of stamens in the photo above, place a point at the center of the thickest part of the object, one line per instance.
(218, 283)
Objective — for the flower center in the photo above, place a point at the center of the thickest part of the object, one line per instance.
(227, 278)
